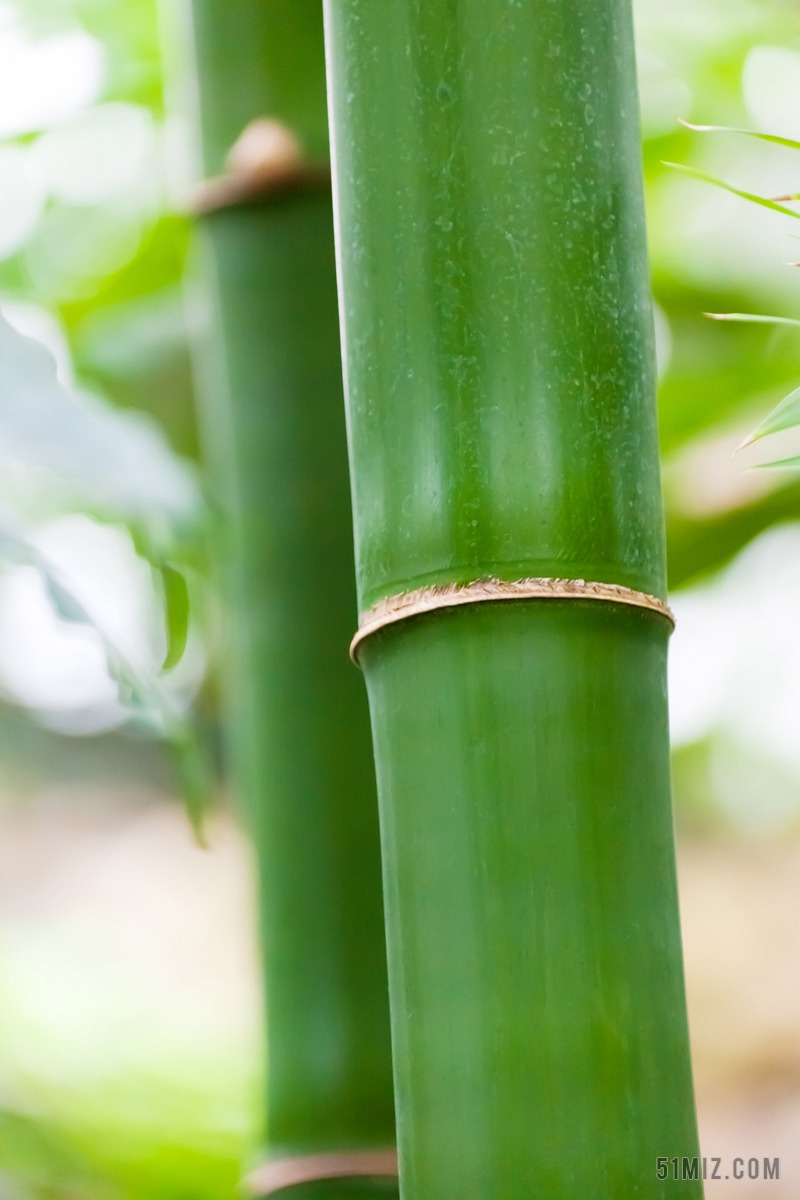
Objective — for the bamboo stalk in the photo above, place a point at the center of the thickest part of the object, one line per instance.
(270, 380)
(500, 380)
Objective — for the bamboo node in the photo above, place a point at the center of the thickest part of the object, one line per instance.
(450, 595)
(289, 1172)
(265, 148)
(266, 159)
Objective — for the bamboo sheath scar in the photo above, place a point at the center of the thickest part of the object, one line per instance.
(429, 599)
(266, 162)
(292, 1172)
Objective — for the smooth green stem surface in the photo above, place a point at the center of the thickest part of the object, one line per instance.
(500, 388)
(495, 295)
(298, 717)
(270, 382)
(258, 58)
(535, 958)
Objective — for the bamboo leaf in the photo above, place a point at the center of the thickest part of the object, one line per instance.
(781, 462)
(66, 603)
(753, 133)
(727, 187)
(176, 612)
(142, 693)
(785, 416)
(752, 318)
(14, 547)
(118, 461)
(194, 772)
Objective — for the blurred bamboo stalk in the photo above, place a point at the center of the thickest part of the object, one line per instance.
(272, 419)
(500, 388)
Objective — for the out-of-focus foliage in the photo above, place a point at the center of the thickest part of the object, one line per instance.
(101, 459)
(727, 64)
(787, 413)
(92, 261)
(101, 539)
(117, 464)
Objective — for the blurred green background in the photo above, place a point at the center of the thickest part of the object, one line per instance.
(130, 1049)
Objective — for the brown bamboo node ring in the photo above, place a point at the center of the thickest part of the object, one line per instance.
(450, 595)
(290, 1172)
(266, 161)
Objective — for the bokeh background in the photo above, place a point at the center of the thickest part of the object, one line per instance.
(130, 1045)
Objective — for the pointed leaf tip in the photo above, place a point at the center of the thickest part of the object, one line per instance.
(777, 464)
(775, 138)
(785, 416)
(175, 594)
(196, 778)
(753, 318)
(734, 191)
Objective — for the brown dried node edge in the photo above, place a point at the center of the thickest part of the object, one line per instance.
(266, 160)
(289, 1172)
(449, 595)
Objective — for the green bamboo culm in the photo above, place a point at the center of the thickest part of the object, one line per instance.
(499, 361)
(269, 370)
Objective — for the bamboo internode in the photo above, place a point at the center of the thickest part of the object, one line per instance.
(429, 599)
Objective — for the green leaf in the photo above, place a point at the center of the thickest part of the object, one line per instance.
(720, 183)
(119, 461)
(196, 777)
(781, 462)
(753, 318)
(754, 133)
(66, 604)
(785, 416)
(142, 693)
(14, 546)
(176, 611)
